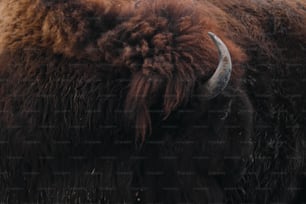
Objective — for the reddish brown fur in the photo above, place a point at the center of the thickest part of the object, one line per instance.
(150, 55)
(182, 54)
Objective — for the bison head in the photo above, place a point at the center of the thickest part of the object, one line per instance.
(180, 96)
(149, 72)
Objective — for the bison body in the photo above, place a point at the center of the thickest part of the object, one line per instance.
(103, 102)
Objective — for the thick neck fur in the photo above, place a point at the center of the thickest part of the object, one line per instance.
(163, 45)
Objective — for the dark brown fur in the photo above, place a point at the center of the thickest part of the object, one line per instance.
(84, 82)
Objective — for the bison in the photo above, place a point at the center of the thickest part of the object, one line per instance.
(154, 101)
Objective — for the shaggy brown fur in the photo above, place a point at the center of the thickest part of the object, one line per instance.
(83, 80)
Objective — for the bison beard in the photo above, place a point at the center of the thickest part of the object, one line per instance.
(102, 101)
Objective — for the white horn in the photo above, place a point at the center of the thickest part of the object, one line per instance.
(219, 80)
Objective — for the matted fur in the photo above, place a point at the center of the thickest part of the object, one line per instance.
(100, 102)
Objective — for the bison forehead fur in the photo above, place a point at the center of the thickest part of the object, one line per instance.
(100, 101)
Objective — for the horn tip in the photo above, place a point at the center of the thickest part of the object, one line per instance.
(211, 34)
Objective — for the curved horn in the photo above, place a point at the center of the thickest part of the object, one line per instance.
(219, 80)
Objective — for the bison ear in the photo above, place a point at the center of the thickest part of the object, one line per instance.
(219, 80)
(141, 96)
